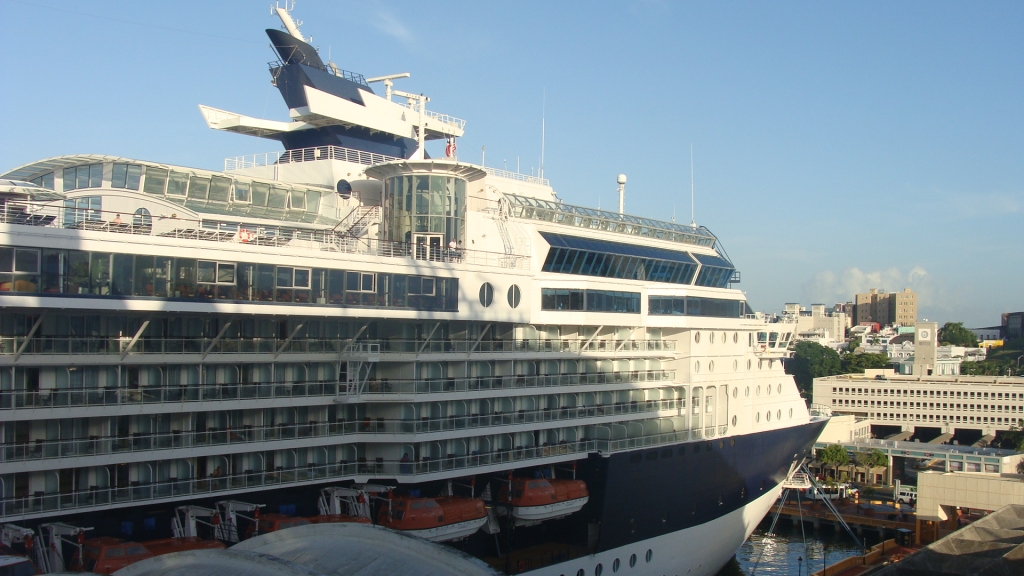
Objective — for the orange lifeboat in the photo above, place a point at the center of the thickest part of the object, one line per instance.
(436, 519)
(332, 518)
(169, 545)
(535, 500)
(272, 523)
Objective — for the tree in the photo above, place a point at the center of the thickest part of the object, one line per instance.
(812, 360)
(857, 363)
(833, 455)
(954, 334)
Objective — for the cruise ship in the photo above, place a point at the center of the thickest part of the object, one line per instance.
(350, 314)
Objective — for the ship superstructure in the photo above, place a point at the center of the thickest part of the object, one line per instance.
(351, 311)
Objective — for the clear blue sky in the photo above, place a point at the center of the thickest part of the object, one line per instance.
(838, 146)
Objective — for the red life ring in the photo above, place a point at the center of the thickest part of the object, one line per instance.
(244, 235)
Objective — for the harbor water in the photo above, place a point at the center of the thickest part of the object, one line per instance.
(785, 552)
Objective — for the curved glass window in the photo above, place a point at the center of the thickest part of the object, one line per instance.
(419, 208)
(588, 257)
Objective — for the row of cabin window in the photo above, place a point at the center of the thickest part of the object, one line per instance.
(593, 263)
(589, 300)
(695, 306)
(160, 182)
(30, 270)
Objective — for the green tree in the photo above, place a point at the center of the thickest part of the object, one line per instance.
(833, 455)
(812, 360)
(954, 334)
(858, 363)
(853, 344)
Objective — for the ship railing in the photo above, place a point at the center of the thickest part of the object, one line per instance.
(310, 154)
(122, 345)
(93, 446)
(63, 397)
(516, 176)
(242, 234)
(608, 446)
(42, 504)
(446, 119)
(387, 387)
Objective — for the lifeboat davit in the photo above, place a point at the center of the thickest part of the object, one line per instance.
(436, 519)
(536, 500)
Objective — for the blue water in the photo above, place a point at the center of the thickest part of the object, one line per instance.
(785, 552)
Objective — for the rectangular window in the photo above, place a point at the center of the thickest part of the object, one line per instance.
(198, 188)
(89, 176)
(177, 183)
(298, 200)
(126, 176)
(241, 192)
(156, 181)
(220, 188)
(44, 181)
(208, 272)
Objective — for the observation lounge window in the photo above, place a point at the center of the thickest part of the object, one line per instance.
(102, 274)
(177, 184)
(590, 300)
(89, 176)
(44, 181)
(695, 306)
(220, 189)
(19, 270)
(589, 257)
(198, 188)
(126, 176)
(155, 182)
(241, 192)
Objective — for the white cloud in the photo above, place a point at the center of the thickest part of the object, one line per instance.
(827, 287)
(391, 26)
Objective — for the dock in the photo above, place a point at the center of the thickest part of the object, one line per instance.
(872, 516)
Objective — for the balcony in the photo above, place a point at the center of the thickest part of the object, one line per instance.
(364, 429)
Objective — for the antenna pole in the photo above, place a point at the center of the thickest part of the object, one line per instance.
(693, 221)
(543, 111)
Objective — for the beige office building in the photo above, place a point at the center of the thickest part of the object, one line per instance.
(886, 308)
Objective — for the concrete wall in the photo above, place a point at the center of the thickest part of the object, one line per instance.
(937, 490)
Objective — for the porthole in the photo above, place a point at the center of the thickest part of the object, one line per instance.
(748, 364)
(768, 389)
(721, 444)
(778, 414)
(768, 416)
(486, 294)
(514, 296)
(696, 366)
(732, 441)
(650, 554)
(581, 572)
(734, 420)
(632, 560)
(760, 364)
(711, 366)
(735, 365)
(723, 338)
(711, 338)
(746, 392)
(779, 388)
(615, 565)
(758, 391)
(735, 337)
(770, 364)
(790, 412)
(598, 570)
(696, 337)
(757, 417)
(735, 392)
(696, 448)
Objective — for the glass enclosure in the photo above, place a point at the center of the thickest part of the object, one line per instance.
(425, 209)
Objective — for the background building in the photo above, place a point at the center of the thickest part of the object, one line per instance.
(818, 324)
(1013, 325)
(886, 308)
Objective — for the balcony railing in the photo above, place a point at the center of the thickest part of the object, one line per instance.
(386, 387)
(41, 504)
(149, 442)
(147, 345)
(64, 398)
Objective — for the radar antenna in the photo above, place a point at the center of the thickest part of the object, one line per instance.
(387, 80)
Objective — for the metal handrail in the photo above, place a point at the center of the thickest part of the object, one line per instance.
(386, 387)
(153, 442)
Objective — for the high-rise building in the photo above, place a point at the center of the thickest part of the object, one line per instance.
(886, 308)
